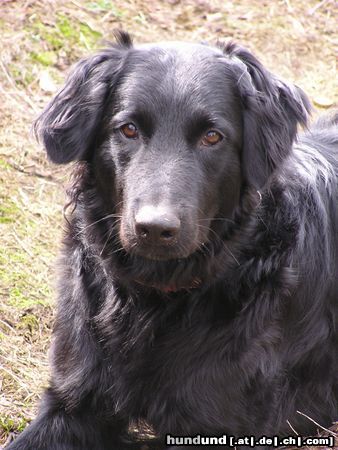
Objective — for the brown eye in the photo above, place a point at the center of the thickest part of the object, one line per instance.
(212, 137)
(129, 131)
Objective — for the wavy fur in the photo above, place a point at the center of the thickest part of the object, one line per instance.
(246, 335)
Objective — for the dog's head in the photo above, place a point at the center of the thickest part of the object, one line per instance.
(175, 133)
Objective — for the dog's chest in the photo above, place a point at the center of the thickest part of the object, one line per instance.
(179, 374)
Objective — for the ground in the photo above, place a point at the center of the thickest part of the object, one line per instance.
(40, 40)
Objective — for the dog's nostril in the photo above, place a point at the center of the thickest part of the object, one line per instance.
(154, 232)
(167, 234)
(156, 225)
(143, 232)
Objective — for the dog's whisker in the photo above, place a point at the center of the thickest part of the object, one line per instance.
(220, 219)
(109, 216)
(117, 250)
(231, 253)
(224, 244)
(214, 233)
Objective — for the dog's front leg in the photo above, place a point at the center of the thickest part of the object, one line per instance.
(81, 429)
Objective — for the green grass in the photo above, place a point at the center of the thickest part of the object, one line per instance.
(23, 289)
(9, 425)
(106, 6)
(48, 58)
(4, 164)
(9, 211)
(66, 37)
(29, 322)
(22, 283)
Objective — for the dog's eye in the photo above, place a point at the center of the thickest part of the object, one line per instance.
(212, 137)
(129, 130)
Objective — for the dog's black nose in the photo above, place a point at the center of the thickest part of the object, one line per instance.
(156, 225)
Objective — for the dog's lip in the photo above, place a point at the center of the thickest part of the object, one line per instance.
(161, 257)
(162, 253)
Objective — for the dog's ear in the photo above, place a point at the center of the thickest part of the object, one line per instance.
(68, 125)
(272, 110)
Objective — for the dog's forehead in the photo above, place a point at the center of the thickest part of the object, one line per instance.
(182, 50)
(177, 71)
(179, 59)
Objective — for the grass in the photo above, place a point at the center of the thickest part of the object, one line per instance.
(40, 40)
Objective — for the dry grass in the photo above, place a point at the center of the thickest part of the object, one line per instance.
(39, 41)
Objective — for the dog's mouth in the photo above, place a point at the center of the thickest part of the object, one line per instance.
(159, 233)
(164, 275)
(174, 250)
(167, 265)
(155, 254)
(163, 253)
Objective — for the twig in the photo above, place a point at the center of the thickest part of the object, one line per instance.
(22, 245)
(33, 173)
(287, 2)
(296, 433)
(22, 107)
(19, 93)
(8, 326)
(106, 16)
(318, 425)
(80, 6)
(315, 8)
(288, 422)
(17, 379)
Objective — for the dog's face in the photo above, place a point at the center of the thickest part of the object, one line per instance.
(174, 139)
(179, 131)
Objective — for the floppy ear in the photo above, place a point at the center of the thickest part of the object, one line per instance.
(272, 110)
(68, 125)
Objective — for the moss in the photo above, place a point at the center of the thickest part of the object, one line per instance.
(66, 28)
(23, 255)
(22, 294)
(105, 6)
(9, 211)
(54, 40)
(141, 18)
(27, 79)
(23, 76)
(4, 164)
(21, 289)
(48, 58)
(18, 299)
(91, 35)
(62, 39)
(10, 425)
(77, 32)
(100, 5)
(29, 322)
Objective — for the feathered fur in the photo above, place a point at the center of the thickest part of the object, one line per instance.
(231, 329)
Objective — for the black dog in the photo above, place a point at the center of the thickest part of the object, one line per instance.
(199, 286)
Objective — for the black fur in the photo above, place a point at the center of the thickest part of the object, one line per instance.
(228, 327)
